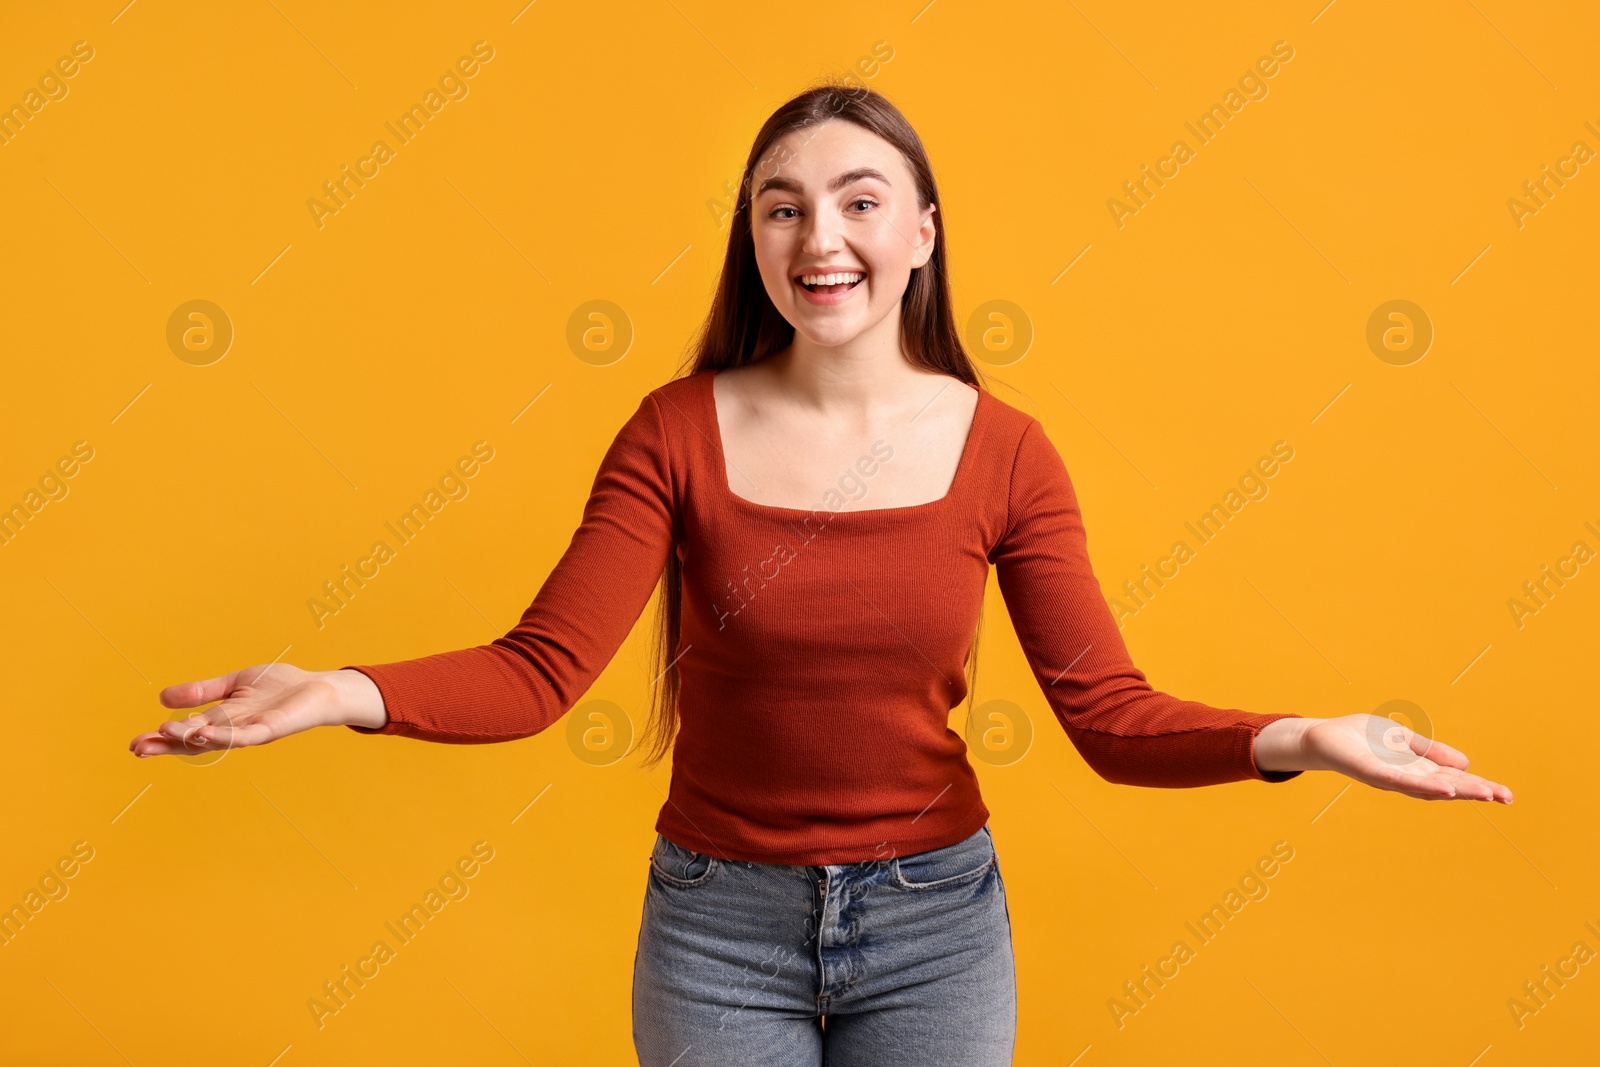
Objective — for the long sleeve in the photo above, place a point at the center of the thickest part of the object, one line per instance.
(522, 682)
(1126, 731)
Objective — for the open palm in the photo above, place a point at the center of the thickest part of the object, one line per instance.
(259, 704)
(1385, 754)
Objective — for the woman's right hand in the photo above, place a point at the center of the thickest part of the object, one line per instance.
(260, 704)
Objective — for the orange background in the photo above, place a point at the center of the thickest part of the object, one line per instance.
(585, 163)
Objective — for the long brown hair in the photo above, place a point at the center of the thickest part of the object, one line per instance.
(744, 327)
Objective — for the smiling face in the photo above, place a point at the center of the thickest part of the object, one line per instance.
(837, 199)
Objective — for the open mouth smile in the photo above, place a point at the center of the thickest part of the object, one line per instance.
(829, 288)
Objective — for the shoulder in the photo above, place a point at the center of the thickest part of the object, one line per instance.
(680, 400)
(1014, 436)
(671, 412)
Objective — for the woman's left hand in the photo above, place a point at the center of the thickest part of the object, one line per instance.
(1386, 755)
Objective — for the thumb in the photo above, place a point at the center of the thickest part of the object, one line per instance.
(194, 694)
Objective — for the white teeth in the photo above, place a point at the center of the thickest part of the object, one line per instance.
(831, 279)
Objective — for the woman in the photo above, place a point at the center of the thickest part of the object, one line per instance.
(821, 500)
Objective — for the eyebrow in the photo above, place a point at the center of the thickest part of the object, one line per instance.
(849, 176)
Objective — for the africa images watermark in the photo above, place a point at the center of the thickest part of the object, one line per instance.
(1252, 86)
(52, 486)
(851, 486)
(452, 86)
(1252, 887)
(1538, 992)
(452, 886)
(52, 88)
(52, 887)
(1539, 191)
(1538, 592)
(1253, 486)
(452, 485)
(866, 68)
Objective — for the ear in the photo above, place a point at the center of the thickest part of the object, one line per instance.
(927, 234)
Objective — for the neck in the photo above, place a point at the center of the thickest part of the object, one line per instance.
(868, 372)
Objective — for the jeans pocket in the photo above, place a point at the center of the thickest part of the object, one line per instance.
(681, 867)
(944, 868)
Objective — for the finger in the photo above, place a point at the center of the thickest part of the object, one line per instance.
(187, 730)
(1437, 751)
(153, 744)
(1473, 787)
(193, 694)
(255, 733)
(1426, 786)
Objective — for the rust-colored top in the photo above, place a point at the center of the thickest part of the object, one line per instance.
(821, 651)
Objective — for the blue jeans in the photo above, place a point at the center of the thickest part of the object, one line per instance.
(908, 959)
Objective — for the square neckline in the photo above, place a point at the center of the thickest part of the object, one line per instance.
(725, 485)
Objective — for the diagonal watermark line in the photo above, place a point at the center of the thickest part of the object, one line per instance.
(497, 229)
(90, 1021)
(899, 631)
(492, 628)
(1329, 804)
(932, 802)
(486, 1019)
(97, 630)
(1513, 844)
(687, 818)
(1330, 404)
(1324, 11)
(1469, 266)
(1502, 433)
(1102, 433)
(713, 44)
(1102, 833)
(930, 402)
(1513, 44)
(1113, 44)
(669, 666)
(301, 432)
(1469, 666)
(313, 44)
(269, 266)
(1069, 266)
(1285, 1018)
(669, 266)
(1297, 630)
(131, 803)
(302, 833)
(530, 404)
(268, 668)
(97, 229)
(531, 803)
(1297, 229)
(130, 404)
(1069, 666)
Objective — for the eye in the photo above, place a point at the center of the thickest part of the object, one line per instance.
(774, 212)
(862, 200)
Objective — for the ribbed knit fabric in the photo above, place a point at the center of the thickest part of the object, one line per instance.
(822, 650)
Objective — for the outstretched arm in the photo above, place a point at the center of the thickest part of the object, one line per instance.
(1132, 734)
(513, 687)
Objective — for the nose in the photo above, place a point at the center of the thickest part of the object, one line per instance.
(823, 235)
